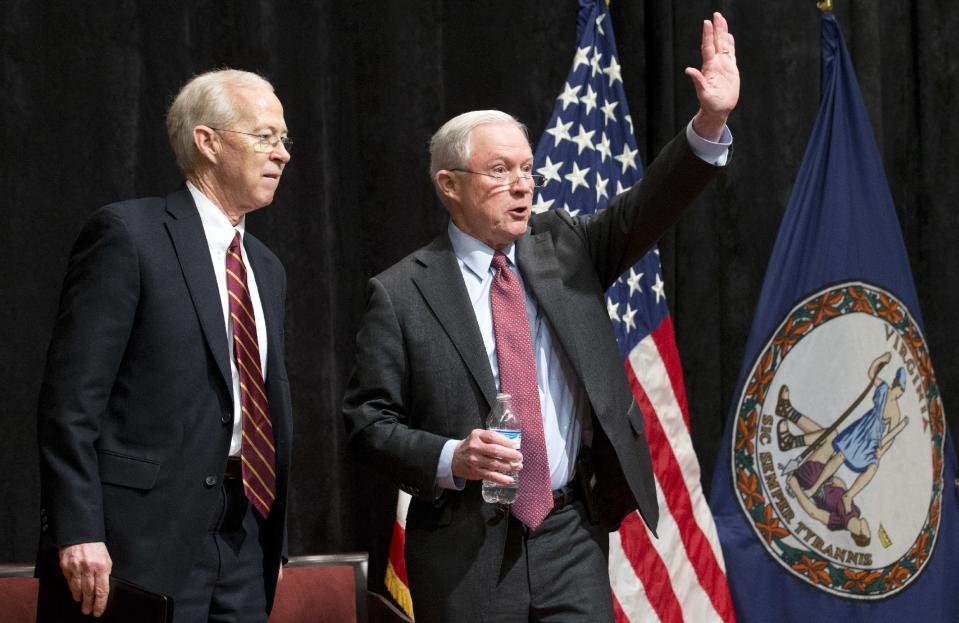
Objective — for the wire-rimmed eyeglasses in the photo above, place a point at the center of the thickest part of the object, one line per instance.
(507, 178)
(265, 143)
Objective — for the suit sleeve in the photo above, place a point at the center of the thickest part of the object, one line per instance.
(378, 402)
(97, 308)
(619, 236)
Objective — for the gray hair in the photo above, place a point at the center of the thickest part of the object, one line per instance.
(205, 100)
(450, 146)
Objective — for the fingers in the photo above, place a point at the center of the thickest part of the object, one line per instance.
(716, 38)
(74, 581)
(86, 568)
(493, 438)
(720, 34)
(87, 584)
(101, 590)
(708, 45)
(483, 461)
(497, 477)
(499, 453)
(483, 455)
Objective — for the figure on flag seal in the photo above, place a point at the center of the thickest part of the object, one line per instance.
(838, 443)
(859, 447)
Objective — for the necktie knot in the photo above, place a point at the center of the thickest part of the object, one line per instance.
(499, 261)
(235, 244)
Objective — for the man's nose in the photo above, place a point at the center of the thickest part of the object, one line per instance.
(280, 153)
(521, 185)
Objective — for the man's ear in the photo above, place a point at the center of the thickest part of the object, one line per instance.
(207, 143)
(446, 183)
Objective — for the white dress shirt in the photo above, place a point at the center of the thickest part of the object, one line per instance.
(219, 235)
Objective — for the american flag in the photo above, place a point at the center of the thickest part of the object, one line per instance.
(588, 155)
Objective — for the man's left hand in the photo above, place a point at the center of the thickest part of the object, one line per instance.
(717, 82)
(86, 568)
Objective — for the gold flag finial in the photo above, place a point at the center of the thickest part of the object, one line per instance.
(824, 5)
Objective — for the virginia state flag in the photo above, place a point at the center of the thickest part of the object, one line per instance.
(834, 494)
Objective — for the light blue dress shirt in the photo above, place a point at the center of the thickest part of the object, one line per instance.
(565, 406)
(561, 395)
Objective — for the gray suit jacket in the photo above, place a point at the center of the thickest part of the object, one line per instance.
(422, 376)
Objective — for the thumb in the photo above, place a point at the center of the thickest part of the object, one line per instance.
(699, 81)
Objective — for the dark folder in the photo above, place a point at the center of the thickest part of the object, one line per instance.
(128, 602)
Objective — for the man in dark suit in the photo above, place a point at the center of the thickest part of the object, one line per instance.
(165, 417)
(443, 333)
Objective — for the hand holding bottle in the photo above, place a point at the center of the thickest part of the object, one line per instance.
(486, 454)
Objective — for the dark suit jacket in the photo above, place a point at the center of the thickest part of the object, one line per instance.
(422, 375)
(136, 408)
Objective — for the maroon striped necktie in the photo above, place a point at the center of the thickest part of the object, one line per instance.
(517, 377)
(257, 452)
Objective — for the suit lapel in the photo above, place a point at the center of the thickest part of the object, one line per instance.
(193, 253)
(440, 282)
(537, 262)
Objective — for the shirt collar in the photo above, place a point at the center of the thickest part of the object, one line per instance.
(476, 255)
(217, 227)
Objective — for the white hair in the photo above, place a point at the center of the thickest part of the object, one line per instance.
(450, 146)
(207, 99)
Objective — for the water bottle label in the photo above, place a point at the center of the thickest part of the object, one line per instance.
(511, 435)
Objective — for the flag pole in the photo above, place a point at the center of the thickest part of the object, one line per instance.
(824, 5)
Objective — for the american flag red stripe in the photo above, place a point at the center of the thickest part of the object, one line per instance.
(687, 552)
(648, 586)
(396, 579)
(665, 340)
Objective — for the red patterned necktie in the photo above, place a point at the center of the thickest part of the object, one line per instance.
(517, 377)
(257, 452)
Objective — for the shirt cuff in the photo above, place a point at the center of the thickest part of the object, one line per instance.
(444, 469)
(715, 153)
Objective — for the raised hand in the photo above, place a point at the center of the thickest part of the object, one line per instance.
(717, 82)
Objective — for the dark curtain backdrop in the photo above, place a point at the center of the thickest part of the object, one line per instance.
(85, 87)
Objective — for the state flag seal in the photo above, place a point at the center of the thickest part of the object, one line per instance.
(838, 443)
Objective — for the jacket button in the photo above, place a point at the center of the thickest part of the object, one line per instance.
(210, 481)
(226, 418)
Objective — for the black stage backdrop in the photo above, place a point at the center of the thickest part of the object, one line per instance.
(364, 84)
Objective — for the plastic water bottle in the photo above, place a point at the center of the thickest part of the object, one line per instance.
(503, 420)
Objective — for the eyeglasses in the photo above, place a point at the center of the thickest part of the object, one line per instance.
(266, 142)
(506, 178)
